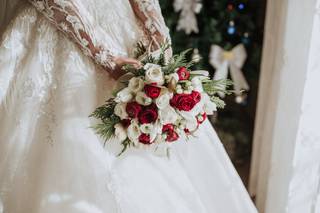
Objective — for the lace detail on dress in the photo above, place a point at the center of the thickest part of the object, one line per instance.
(74, 21)
(149, 14)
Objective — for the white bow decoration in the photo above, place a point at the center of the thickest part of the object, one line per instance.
(223, 60)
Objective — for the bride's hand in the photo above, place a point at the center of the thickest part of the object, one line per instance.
(120, 61)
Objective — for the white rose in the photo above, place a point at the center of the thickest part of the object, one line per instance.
(197, 84)
(151, 129)
(181, 124)
(192, 124)
(146, 128)
(168, 115)
(120, 110)
(134, 132)
(208, 106)
(143, 99)
(135, 84)
(163, 100)
(120, 132)
(153, 74)
(124, 95)
(172, 76)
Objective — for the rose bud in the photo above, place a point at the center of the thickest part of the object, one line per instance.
(167, 128)
(183, 73)
(201, 118)
(152, 91)
(172, 136)
(133, 109)
(144, 138)
(187, 131)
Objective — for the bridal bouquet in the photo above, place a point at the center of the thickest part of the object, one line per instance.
(160, 102)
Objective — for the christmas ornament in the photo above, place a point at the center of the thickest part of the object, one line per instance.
(230, 7)
(241, 99)
(187, 19)
(241, 6)
(231, 28)
(233, 60)
(196, 57)
(245, 39)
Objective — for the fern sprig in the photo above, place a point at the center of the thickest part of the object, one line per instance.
(179, 60)
(140, 50)
(213, 87)
(106, 128)
(218, 101)
(105, 111)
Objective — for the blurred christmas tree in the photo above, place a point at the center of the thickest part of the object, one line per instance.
(226, 23)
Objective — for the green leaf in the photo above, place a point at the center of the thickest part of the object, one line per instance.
(126, 143)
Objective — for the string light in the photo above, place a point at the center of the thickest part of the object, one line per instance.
(245, 39)
(231, 28)
(241, 6)
(230, 7)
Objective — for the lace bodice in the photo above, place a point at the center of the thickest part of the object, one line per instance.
(77, 21)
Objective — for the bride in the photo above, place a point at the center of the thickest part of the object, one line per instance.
(58, 59)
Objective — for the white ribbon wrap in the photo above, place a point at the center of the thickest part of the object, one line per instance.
(233, 60)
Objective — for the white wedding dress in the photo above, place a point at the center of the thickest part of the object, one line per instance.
(53, 57)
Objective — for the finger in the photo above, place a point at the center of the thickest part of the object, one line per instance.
(134, 62)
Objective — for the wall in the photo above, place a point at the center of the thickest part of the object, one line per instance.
(304, 191)
(285, 166)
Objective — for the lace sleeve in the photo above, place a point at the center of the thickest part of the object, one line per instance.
(149, 13)
(73, 20)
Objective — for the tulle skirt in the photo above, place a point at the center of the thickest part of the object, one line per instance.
(52, 161)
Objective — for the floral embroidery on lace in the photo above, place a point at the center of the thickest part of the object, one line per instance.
(28, 89)
(47, 83)
(149, 13)
(66, 16)
(13, 41)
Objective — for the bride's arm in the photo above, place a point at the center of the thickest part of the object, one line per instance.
(74, 20)
(149, 13)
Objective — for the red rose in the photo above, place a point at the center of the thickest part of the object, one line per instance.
(125, 122)
(144, 138)
(133, 109)
(201, 118)
(183, 73)
(196, 96)
(172, 136)
(187, 131)
(183, 102)
(152, 91)
(167, 128)
(148, 115)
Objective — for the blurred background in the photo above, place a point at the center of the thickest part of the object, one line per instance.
(200, 24)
